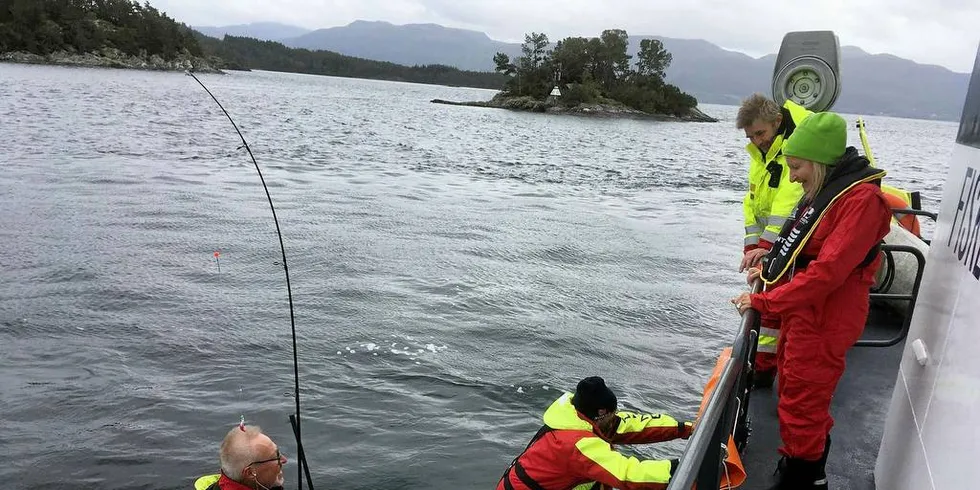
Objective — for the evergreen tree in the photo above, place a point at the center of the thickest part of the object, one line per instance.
(83, 26)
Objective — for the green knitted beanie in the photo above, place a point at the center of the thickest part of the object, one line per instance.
(820, 138)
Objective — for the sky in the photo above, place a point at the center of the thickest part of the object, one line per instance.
(941, 32)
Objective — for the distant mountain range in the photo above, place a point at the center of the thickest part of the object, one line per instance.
(880, 84)
(265, 31)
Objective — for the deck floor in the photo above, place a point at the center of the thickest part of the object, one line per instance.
(859, 408)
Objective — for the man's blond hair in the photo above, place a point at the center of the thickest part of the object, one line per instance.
(237, 450)
(757, 107)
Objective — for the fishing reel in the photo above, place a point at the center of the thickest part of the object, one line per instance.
(807, 70)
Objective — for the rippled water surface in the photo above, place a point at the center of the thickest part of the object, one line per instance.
(453, 269)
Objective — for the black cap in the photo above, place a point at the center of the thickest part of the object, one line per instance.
(592, 395)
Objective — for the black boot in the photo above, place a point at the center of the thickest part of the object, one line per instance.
(826, 452)
(800, 474)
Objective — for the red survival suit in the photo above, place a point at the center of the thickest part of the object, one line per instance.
(567, 453)
(824, 306)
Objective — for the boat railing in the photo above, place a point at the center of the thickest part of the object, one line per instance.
(918, 212)
(909, 298)
(900, 212)
(702, 464)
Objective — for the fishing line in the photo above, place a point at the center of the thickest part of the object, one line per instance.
(293, 420)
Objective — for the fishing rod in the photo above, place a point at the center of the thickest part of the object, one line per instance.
(294, 420)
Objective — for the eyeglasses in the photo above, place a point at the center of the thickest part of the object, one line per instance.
(279, 458)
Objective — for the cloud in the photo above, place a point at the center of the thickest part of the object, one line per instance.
(939, 32)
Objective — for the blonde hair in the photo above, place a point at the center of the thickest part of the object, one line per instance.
(757, 107)
(819, 175)
(237, 450)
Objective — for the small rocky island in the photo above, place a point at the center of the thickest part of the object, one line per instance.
(591, 76)
(605, 108)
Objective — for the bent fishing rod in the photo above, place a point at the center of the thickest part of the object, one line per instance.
(294, 420)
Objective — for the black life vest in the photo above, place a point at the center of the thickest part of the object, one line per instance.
(851, 170)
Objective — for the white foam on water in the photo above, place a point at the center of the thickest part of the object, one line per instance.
(406, 346)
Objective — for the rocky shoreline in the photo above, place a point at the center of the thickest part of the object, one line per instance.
(113, 58)
(610, 110)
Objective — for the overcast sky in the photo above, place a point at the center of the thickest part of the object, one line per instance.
(942, 32)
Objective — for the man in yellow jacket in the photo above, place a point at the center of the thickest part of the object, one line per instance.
(770, 199)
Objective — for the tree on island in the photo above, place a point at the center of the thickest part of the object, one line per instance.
(82, 26)
(74, 28)
(595, 70)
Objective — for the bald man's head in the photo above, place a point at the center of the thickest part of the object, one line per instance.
(250, 457)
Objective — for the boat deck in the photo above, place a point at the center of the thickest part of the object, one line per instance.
(859, 408)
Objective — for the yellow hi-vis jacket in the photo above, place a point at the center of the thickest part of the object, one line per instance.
(771, 196)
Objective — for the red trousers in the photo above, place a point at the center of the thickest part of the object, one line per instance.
(811, 357)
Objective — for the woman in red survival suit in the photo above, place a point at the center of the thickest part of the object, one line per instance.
(828, 250)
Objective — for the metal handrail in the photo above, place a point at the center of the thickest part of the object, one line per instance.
(917, 212)
(703, 459)
(911, 298)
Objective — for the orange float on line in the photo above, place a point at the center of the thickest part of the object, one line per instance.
(908, 221)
